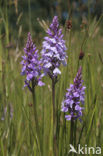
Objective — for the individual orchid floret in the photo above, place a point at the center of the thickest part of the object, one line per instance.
(74, 98)
(31, 65)
(53, 50)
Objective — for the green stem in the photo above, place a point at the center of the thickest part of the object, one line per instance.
(54, 119)
(72, 135)
(36, 119)
(30, 135)
(75, 136)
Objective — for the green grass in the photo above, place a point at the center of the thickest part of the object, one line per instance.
(18, 135)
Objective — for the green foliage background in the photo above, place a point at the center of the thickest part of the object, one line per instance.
(16, 19)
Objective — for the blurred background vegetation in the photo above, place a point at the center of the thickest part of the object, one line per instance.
(17, 17)
(22, 15)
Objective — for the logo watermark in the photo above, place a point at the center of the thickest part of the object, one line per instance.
(85, 150)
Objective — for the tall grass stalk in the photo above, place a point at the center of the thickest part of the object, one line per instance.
(36, 119)
(54, 119)
(29, 12)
